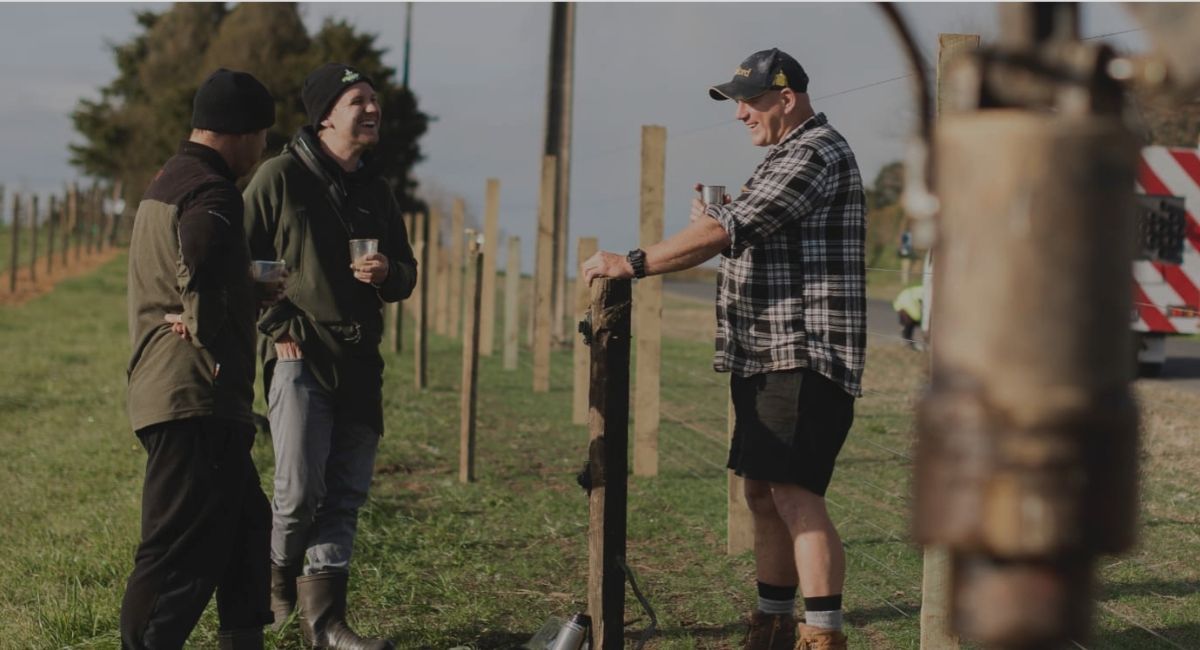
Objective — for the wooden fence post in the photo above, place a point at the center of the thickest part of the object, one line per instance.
(543, 277)
(583, 300)
(68, 221)
(491, 243)
(470, 365)
(118, 212)
(421, 312)
(512, 302)
(391, 329)
(33, 245)
(51, 224)
(457, 219)
(15, 224)
(608, 432)
(77, 219)
(648, 301)
(937, 576)
(739, 526)
(437, 280)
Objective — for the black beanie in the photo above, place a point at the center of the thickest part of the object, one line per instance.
(232, 102)
(324, 86)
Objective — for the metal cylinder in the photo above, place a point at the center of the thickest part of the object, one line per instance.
(1026, 458)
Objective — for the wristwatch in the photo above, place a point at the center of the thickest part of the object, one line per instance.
(637, 259)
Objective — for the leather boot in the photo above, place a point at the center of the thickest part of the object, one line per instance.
(322, 600)
(283, 593)
(248, 639)
(819, 638)
(770, 632)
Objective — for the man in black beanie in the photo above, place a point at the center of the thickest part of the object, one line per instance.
(321, 364)
(192, 306)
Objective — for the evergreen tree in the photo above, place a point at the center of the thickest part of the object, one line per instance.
(142, 114)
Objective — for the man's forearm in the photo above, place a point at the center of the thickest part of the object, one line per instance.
(699, 242)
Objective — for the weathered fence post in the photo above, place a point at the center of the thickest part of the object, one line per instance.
(936, 571)
(15, 224)
(118, 212)
(470, 365)
(77, 219)
(68, 221)
(457, 219)
(739, 525)
(51, 224)
(438, 277)
(648, 292)
(90, 220)
(543, 277)
(583, 300)
(33, 245)
(512, 302)
(491, 243)
(608, 465)
(421, 311)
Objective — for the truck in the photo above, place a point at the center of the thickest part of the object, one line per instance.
(1166, 270)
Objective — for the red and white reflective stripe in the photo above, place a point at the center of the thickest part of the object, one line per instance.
(1157, 286)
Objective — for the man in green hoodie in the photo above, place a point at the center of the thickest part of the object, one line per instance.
(321, 363)
(205, 519)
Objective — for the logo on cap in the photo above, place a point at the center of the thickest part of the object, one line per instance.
(349, 76)
(742, 72)
(780, 80)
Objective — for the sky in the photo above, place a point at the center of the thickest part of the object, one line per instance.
(480, 69)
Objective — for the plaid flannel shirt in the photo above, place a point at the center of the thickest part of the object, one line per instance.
(791, 288)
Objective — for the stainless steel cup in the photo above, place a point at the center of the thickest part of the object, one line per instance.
(360, 248)
(267, 271)
(712, 194)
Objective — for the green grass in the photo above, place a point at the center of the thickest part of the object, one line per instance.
(440, 564)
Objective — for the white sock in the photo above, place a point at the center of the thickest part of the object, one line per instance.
(768, 606)
(831, 620)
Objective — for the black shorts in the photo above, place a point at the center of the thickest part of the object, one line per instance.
(788, 427)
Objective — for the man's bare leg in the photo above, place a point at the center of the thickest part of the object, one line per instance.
(819, 556)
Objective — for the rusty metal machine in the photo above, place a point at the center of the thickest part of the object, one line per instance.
(1027, 448)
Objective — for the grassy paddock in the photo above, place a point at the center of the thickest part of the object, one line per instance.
(440, 564)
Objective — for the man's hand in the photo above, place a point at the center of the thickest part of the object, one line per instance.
(177, 326)
(606, 265)
(698, 204)
(372, 269)
(286, 349)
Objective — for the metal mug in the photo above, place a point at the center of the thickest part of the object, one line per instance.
(712, 194)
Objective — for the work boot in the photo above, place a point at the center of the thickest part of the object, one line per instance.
(819, 638)
(248, 639)
(283, 593)
(322, 601)
(770, 632)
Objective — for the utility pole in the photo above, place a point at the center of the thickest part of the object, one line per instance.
(408, 8)
(559, 94)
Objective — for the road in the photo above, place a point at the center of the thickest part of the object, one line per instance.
(1182, 369)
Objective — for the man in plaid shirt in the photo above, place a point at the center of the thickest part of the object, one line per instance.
(791, 328)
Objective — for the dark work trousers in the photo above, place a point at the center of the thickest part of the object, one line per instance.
(206, 525)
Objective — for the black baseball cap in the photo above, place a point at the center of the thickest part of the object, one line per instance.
(760, 72)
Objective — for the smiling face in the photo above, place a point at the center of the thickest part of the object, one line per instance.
(355, 119)
(767, 116)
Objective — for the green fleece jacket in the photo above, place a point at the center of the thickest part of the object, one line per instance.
(291, 214)
(188, 256)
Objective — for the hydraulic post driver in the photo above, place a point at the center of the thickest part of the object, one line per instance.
(1026, 458)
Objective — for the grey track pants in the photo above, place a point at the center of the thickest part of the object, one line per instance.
(323, 469)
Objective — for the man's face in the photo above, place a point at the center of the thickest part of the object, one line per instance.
(250, 148)
(356, 117)
(764, 115)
